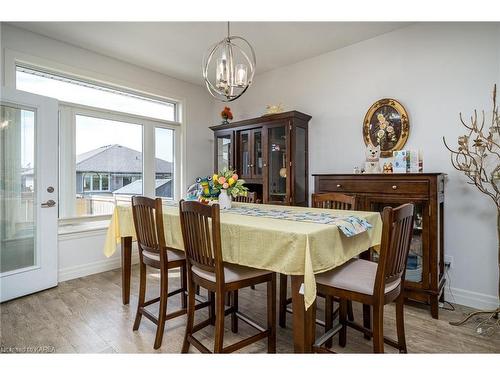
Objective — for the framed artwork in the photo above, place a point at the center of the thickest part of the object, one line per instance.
(386, 124)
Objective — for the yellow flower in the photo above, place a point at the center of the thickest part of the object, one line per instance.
(231, 181)
(215, 177)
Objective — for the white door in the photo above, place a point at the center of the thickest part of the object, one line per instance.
(28, 193)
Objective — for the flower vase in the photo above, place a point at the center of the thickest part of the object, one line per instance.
(224, 199)
(225, 121)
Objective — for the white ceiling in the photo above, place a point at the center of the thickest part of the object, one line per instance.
(177, 48)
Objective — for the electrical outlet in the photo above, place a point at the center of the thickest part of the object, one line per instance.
(448, 261)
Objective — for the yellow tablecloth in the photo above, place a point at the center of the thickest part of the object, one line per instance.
(284, 246)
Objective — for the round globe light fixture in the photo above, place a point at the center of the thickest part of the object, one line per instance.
(229, 67)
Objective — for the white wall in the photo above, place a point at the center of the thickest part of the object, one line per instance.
(81, 254)
(197, 102)
(436, 71)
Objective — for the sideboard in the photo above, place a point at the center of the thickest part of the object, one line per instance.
(425, 269)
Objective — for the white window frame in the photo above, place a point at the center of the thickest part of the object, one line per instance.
(14, 58)
(67, 137)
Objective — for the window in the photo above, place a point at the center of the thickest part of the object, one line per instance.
(164, 162)
(77, 91)
(123, 145)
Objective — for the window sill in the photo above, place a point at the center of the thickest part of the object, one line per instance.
(82, 226)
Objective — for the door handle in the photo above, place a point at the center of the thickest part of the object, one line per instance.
(49, 203)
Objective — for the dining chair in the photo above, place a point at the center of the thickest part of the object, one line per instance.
(371, 284)
(336, 201)
(251, 197)
(200, 226)
(153, 252)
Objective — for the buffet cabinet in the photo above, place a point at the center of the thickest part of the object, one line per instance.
(270, 153)
(425, 268)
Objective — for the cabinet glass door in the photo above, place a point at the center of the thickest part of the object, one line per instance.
(257, 163)
(277, 164)
(245, 157)
(223, 152)
(415, 266)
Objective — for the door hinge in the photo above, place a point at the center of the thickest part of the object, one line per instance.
(290, 125)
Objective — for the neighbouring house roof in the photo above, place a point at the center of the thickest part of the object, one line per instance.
(136, 186)
(116, 159)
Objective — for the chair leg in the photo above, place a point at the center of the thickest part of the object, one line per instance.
(400, 324)
(219, 322)
(190, 317)
(211, 309)
(367, 320)
(234, 318)
(282, 300)
(163, 308)
(378, 328)
(271, 314)
(142, 296)
(184, 287)
(350, 312)
(328, 318)
(342, 319)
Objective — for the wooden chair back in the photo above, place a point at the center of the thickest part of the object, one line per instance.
(336, 201)
(396, 239)
(148, 222)
(251, 197)
(200, 224)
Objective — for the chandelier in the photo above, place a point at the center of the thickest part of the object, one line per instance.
(229, 67)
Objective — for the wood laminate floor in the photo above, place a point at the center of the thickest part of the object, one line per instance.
(86, 315)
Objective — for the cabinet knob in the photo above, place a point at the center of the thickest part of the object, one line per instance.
(394, 187)
(339, 186)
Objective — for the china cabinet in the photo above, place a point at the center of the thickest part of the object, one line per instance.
(425, 268)
(270, 153)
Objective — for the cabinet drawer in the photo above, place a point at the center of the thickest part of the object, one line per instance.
(375, 186)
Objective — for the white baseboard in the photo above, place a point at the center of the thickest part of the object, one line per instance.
(471, 299)
(87, 269)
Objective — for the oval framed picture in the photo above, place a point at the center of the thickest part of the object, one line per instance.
(386, 124)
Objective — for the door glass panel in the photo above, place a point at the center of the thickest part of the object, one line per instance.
(257, 152)
(277, 164)
(414, 265)
(17, 188)
(299, 164)
(245, 154)
(223, 152)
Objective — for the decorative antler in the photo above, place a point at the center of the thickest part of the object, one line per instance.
(478, 157)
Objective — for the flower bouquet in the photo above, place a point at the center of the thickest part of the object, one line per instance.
(226, 115)
(229, 185)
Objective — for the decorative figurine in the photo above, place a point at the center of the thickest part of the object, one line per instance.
(372, 164)
(387, 167)
(273, 108)
(206, 190)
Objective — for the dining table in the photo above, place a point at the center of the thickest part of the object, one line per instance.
(295, 241)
